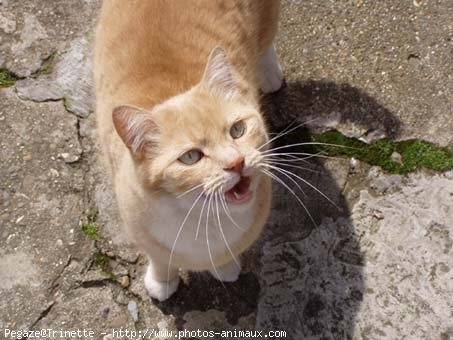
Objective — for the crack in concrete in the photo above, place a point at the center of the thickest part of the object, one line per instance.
(90, 205)
(41, 316)
(54, 285)
(45, 64)
(95, 283)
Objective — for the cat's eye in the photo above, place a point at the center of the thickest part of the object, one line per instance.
(237, 129)
(191, 157)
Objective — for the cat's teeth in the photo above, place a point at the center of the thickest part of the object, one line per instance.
(236, 195)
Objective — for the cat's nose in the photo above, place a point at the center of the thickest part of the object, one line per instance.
(237, 165)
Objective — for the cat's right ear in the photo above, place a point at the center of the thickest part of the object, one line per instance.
(219, 75)
(135, 127)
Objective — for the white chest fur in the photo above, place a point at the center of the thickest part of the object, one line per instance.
(196, 236)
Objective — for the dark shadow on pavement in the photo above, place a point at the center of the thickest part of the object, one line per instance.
(326, 101)
(301, 277)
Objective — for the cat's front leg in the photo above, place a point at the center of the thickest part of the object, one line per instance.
(228, 272)
(270, 72)
(160, 282)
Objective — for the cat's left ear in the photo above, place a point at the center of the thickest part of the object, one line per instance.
(220, 76)
(136, 128)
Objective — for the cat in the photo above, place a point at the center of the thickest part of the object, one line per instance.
(178, 114)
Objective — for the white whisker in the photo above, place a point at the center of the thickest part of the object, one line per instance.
(307, 143)
(227, 211)
(308, 183)
(309, 155)
(177, 236)
(190, 190)
(292, 159)
(287, 176)
(280, 134)
(199, 219)
(199, 185)
(271, 175)
(274, 162)
(283, 133)
(207, 238)
(223, 235)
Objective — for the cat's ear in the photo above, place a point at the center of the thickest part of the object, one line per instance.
(219, 75)
(135, 127)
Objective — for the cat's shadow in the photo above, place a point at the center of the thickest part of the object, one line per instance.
(308, 277)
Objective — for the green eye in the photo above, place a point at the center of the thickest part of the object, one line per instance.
(238, 129)
(191, 157)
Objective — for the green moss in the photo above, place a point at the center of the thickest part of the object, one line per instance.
(91, 231)
(415, 154)
(7, 78)
(89, 228)
(102, 261)
(419, 154)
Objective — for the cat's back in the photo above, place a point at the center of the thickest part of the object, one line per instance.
(163, 45)
(147, 51)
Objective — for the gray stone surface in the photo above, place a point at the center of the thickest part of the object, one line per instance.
(33, 31)
(371, 67)
(97, 303)
(41, 204)
(377, 266)
(216, 321)
(391, 260)
(70, 81)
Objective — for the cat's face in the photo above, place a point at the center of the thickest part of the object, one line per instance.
(210, 142)
(208, 138)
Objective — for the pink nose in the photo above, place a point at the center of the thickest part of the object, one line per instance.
(236, 166)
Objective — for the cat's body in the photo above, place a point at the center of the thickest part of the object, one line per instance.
(170, 107)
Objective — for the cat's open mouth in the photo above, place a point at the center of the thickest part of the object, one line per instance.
(240, 193)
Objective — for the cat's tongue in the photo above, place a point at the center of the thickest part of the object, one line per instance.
(240, 193)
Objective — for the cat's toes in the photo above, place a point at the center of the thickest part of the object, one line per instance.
(270, 72)
(272, 79)
(160, 290)
(227, 273)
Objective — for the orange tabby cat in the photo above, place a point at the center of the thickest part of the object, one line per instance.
(179, 121)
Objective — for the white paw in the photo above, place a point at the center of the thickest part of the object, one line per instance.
(227, 273)
(160, 290)
(270, 72)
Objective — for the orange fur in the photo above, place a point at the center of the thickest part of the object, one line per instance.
(152, 73)
(149, 51)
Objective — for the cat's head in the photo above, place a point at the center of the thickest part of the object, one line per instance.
(207, 138)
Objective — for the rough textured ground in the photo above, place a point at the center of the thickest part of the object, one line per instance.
(378, 267)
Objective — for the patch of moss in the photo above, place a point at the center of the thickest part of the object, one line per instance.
(91, 231)
(102, 261)
(415, 154)
(89, 228)
(7, 78)
(419, 154)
